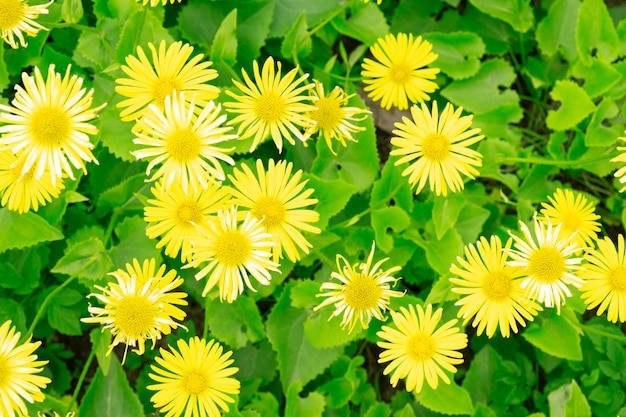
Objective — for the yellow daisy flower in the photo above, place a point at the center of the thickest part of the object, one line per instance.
(47, 124)
(377, 1)
(437, 148)
(575, 215)
(185, 144)
(18, 366)
(176, 216)
(140, 306)
(364, 291)
(17, 18)
(271, 105)
(548, 261)
(22, 193)
(194, 380)
(621, 172)
(491, 290)
(40, 414)
(605, 279)
(169, 71)
(418, 349)
(278, 200)
(154, 3)
(234, 253)
(332, 119)
(397, 75)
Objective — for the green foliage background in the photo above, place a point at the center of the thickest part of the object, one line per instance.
(546, 83)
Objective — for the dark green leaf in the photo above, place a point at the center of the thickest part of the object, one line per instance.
(392, 188)
(235, 324)
(287, 11)
(133, 242)
(10, 310)
(22, 230)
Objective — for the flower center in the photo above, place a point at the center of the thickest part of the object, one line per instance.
(436, 147)
(135, 316)
(571, 221)
(270, 107)
(497, 286)
(49, 126)
(163, 87)
(617, 278)
(421, 347)
(5, 370)
(183, 145)
(270, 210)
(547, 264)
(16, 173)
(232, 248)
(195, 383)
(11, 13)
(328, 114)
(400, 73)
(187, 213)
(363, 292)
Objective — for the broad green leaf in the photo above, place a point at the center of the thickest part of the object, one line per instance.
(133, 242)
(22, 230)
(296, 406)
(440, 253)
(72, 10)
(100, 341)
(87, 259)
(407, 411)
(111, 395)
(287, 11)
(575, 105)
(265, 403)
(494, 151)
(446, 212)
(366, 25)
(11, 310)
(577, 406)
(481, 378)
(441, 291)
(517, 13)
(297, 42)
(139, 28)
(298, 359)
(95, 49)
(4, 72)
(483, 411)
(595, 32)
(459, 52)
(224, 47)
(470, 222)
(556, 31)
(415, 17)
(236, 323)
(20, 269)
(600, 131)
(325, 332)
(333, 195)
(386, 219)
(495, 33)
(497, 123)
(303, 294)
(556, 336)
(599, 76)
(256, 361)
(446, 399)
(378, 410)
(115, 134)
(338, 392)
(65, 320)
(118, 196)
(392, 189)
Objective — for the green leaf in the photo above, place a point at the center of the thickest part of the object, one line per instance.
(480, 380)
(235, 324)
(386, 219)
(296, 406)
(493, 152)
(333, 195)
(471, 221)
(577, 406)
(22, 230)
(224, 46)
(65, 320)
(367, 24)
(483, 411)
(72, 11)
(111, 395)
(446, 212)
(139, 28)
(95, 49)
(115, 134)
(11, 310)
(575, 106)
(100, 341)
(392, 189)
(119, 195)
(287, 11)
(556, 31)
(4, 72)
(256, 361)
(440, 253)
(599, 76)
(20, 269)
(133, 242)
(325, 332)
(595, 32)
(459, 52)
(497, 123)
(407, 411)
(338, 392)
(415, 17)
(516, 13)
(298, 359)
(600, 131)
(378, 410)
(446, 399)
(297, 42)
(556, 336)
(86, 259)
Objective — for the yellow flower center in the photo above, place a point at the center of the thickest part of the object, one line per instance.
(16, 173)
(421, 347)
(270, 107)
(436, 147)
(400, 73)
(270, 210)
(497, 286)
(183, 145)
(232, 248)
(135, 316)
(547, 264)
(5, 372)
(571, 221)
(363, 292)
(328, 114)
(163, 87)
(49, 126)
(11, 13)
(617, 278)
(195, 383)
(188, 212)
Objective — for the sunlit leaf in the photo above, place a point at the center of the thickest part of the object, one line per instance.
(517, 13)
(446, 399)
(22, 230)
(556, 31)
(575, 106)
(595, 32)
(459, 52)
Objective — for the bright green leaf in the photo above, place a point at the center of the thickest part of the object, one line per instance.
(459, 52)
(407, 411)
(11, 310)
(224, 47)
(595, 32)
(446, 399)
(287, 11)
(392, 188)
(100, 342)
(446, 212)
(65, 320)
(4, 72)
(22, 230)
(95, 49)
(600, 131)
(577, 406)
(338, 392)
(366, 25)
(556, 336)
(494, 151)
(333, 195)
(483, 411)
(72, 10)
(115, 134)
(296, 406)
(517, 13)
(297, 42)
(378, 410)
(87, 259)
(325, 332)
(415, 17)
(497, 123)
(471, 221)
(385, 219)
(575, 105)
(556, 31)
(599, 76)
(235, 323)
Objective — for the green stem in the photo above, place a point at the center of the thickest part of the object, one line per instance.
(205, 330)
(541, 161)
(325, 21)
(81, 379)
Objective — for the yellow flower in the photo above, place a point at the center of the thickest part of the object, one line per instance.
(140, 306)
(17, 18)
(234, 253)
(176, 216)
(621, 172)
(185, 144)
(377, 1)
(40, 414)
(18, 366)
(47, 124)
(154, 3)
(194, 380)
(364, 291)
(605, 276)
(397, 75)
(575, 215)
(437, 148)
(332, 119)
(23, 192)
(548, 261)
(169, 71)
(417, 349)
(278, 200)
(491, 289)
(271, 106)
